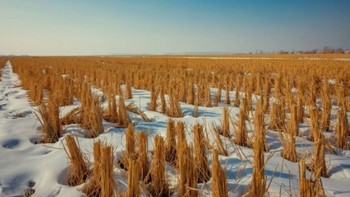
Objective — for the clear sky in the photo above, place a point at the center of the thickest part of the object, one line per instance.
(81, 27)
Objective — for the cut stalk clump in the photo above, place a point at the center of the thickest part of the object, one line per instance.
(300, 108)
(218, 95)
(288, 143)
(266, 96)
(170, 143)
(93, 187)
(174, 109)
(95, 127)
(162, 100)
(225, 124)
(207, 102)
(314, 127)
(241, 137)
(259, 127)
(227, 95)
(236, 102)
(106, 171)
(130, 152)
(258, 184)
(200, 158)
(128, 93)
(293, 124)
(191, 94)
(78, 170)
(248, 95)
(123, 117)
(133, 179)
(326, 107)
(112, 112)
(48, 115)
(86, 103)
(318, 165)
(180, 132)
(142, 159)
(306, 186)
(153, 102)
(188, 177)
(276, 117)
(219, 181)
(342, 130)
(159, 185)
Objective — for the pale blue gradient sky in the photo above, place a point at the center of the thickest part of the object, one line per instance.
(81, 27)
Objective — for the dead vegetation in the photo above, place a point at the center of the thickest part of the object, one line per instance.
(287, 96)
(78, 170)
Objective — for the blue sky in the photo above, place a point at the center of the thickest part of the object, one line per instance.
(82, 27)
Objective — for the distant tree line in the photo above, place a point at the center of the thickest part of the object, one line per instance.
(325, 50)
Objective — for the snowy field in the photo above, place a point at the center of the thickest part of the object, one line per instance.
(30, 167)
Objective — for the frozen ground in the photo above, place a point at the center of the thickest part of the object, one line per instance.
(27, 166)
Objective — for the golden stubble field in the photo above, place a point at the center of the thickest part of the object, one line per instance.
(204, 116)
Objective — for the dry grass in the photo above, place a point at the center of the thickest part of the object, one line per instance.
(112, 112)
(191, 94)
(130, 152)
(276, 117)
(180, 133)
(225, 123)
(188, 176)
(134, 109)
(78, 170)
(200, 158)
(159, 185)
(153, 101)
(48, 116)
(306, 186)
(266, 96)
(236, 101)
(142, 159)
(342, 130)
(106, 171)
(95, 127)
(123, 117)
(318, 165)
(162, 101)
(189, 80)
(293, 124)
(128, 93)
(133, 179)
(227, 95)
(289, 151)
(314, 126)
(207, 98)
(93, 187)
(326, 107)
(218, 182)
(170, 143)
(174, 109)
(220, 147)
(258, 183)
(72, 117)
(241, 135)
(217, 99)
(300, 108)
